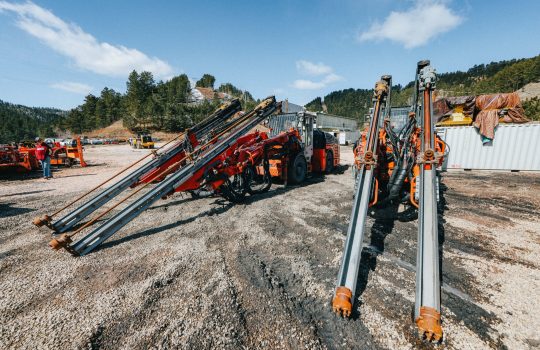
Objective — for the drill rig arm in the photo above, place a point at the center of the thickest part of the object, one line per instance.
(206, 154)
(197, 134)
(348, 273)
(427, 311)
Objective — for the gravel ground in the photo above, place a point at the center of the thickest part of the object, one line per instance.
(203, 273)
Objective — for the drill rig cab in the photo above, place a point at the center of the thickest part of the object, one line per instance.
(314, 151)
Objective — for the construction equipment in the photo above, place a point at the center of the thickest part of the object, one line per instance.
(191, 157)
(320, 149)
(248, 165)
(427, 310)
(61, 155)
(216, 156)
(393, 169)
(12, 158)
(366, 163)
(142, 140)
(169, 156)
(68, 154)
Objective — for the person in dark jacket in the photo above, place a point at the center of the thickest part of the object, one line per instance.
(43, 154)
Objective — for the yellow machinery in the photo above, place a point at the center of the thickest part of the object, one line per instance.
(458, 118)
(142, 141)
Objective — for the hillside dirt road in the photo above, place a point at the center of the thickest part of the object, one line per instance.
(206, 274)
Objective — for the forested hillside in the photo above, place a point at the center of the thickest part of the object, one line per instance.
(19, 123)
(164, 106)
(147, 104)
(504, 76)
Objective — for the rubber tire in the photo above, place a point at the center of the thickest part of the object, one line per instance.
(297, 170)
(249, 172)
(329, 162)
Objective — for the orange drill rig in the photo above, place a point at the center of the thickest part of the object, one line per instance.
(393, 168)
(218, 155)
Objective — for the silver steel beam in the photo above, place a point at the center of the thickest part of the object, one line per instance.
(350, 264)
(427, 309)
(217, 121)
(112, 225)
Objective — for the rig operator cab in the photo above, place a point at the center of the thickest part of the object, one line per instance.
(318, 151)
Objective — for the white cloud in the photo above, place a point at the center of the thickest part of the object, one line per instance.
(416, 26)
(303, 84)
(332, 78)
(85, 50)
(310, 68)
(77, 88)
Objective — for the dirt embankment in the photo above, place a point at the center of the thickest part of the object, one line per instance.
(208, 274)
(117, 130)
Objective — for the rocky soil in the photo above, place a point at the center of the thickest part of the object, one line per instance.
(206, 274)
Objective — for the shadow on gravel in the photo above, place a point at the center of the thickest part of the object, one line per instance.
(224, 206)
(210, 212)
(6, 210)
(169, 204)
(24, 193)
(14, 176)
(6, 254)
(382, 227)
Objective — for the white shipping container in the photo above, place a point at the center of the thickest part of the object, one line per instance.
(515, 147)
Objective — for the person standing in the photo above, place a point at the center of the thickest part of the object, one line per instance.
(43, 154)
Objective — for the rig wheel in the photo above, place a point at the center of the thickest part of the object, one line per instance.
(256, 183)
(234, 189)
(329, 162)
(297, 169)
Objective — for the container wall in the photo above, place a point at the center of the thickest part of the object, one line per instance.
(351, 137)
(327, 121)
(515, 147)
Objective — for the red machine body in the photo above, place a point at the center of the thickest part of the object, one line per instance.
(17, 159)
(257, 158)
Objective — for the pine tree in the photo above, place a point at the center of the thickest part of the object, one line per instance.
(207, 81)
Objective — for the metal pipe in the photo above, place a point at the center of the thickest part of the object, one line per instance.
(427, 310)
(94, 238)
(199, 131)
(350, 264)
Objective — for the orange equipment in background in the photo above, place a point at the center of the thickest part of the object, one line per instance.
(67, 155)
(16, 159)
(61, 155)
(318, 150)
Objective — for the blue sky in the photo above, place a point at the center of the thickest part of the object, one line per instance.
(52, 53)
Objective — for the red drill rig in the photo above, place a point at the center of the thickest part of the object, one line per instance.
(216, 156)
(393, 168)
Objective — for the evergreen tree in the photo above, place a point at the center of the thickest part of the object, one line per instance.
(315, 105)
(207, 81)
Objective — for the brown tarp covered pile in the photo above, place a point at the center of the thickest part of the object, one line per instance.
(444, 107)
(492, 108)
